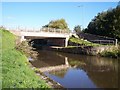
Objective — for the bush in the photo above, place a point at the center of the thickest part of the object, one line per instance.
(26, 49)
(115, 53)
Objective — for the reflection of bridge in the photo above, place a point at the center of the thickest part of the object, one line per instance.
(56, 68)
(53, 35)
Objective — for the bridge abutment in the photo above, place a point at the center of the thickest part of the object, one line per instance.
(22, 38)
(66, 42)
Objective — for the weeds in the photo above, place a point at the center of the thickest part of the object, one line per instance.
(26, 49)
(114, 53)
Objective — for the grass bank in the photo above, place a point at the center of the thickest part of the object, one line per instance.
(115, 53)
(16, 72)
(82, 42)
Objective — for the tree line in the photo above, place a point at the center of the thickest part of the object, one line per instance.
(106, 23)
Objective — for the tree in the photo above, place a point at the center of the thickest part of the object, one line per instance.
(106, 23)
(118, 4)
(58, 24)
(77, 29)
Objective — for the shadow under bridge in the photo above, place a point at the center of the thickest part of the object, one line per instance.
(37, 41)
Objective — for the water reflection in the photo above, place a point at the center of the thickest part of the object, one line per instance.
(48, 58)
(73, 78)
(85, 71)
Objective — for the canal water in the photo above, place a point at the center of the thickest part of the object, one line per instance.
(83, 71)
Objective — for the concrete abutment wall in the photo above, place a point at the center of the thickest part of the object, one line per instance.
(86, 50)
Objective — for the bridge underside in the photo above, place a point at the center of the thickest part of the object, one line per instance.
(42, 41)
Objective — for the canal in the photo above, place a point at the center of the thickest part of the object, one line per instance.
(83, 71)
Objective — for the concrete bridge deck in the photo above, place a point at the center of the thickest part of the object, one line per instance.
(44, 33)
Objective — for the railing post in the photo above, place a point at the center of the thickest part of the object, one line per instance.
(66, 42)
(116, 42)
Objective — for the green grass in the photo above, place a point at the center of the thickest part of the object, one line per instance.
(16, 71)
(8, 40)
(82, 42)
(115, 53)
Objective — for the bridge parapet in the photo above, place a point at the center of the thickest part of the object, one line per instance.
(52, 30)
(55, 30)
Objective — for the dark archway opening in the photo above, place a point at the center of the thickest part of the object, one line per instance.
(46, 42)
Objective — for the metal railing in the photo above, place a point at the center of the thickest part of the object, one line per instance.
(109, 42)
(52, 30)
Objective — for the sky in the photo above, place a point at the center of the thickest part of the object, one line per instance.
(37, 14)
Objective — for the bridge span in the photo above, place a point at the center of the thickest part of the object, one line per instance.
(52, 35)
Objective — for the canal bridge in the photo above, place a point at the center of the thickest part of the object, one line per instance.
(52, 36)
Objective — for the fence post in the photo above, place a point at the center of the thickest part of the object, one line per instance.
(100, 41)
(116, 42)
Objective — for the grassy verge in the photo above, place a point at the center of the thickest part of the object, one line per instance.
(16, 72)
(82, 42)
(115, 53)
(0, 61)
